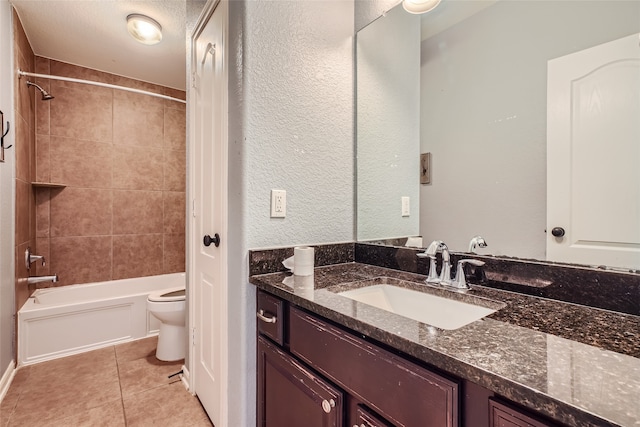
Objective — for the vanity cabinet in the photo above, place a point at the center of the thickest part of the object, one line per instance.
(312, 372)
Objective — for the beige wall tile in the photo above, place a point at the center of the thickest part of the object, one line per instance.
(42, 107)
(174, 212)
(81, 212)
(175, 93)
(81, 163)
(74, 71)
(23, 152)
(175, 129)
(23, 217)
(43, 158)
(137, 121)
(137, 168)
(81, 112)
(137, 212)
(174, 253)
(137, 255)
(175, 170)
(43, 211)
(81, 259)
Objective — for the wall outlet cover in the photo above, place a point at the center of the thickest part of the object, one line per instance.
(278, 203)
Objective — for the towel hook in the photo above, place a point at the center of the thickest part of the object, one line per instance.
(4, 133)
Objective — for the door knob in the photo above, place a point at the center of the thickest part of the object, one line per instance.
(557, 231)
(208, 240)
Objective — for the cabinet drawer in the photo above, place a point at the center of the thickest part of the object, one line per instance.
(501, 415)
(402, 392)
(270, 315)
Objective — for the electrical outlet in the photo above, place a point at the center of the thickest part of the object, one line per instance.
(406, 206)
(278, 203)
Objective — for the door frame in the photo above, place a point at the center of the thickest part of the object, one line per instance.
(194, 241)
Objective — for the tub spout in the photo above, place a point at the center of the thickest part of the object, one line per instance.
(38, 279)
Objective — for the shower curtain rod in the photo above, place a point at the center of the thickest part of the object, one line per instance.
(89, 82)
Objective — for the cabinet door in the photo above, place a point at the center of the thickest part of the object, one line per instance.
(505, 416)
(366, 418)
(291, 395)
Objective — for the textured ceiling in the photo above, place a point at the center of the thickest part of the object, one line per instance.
(93, 34)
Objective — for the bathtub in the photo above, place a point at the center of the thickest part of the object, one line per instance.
(57, 322)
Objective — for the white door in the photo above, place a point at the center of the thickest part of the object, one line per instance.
(209, 302)
(593, 155)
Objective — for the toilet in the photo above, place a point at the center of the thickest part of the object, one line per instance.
(168, 306)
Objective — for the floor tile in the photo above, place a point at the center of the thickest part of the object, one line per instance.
(136, 349)
(117, 386)
(142, 374)
(168, 405)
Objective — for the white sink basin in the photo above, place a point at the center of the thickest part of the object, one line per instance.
(440, 312)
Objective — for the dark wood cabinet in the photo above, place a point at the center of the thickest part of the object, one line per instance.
(402, 392)
(291, 395)
(365, 418)
(502, 415)
(314, 373)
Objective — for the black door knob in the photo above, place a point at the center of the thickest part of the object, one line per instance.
(558, 231)
(208, 240)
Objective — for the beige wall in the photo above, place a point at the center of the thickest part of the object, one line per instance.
(122, 158)
(24, 128)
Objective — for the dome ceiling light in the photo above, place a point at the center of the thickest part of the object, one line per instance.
(144, 29)
(420, 6)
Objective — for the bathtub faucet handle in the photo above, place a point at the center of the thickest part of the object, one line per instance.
(29, 258)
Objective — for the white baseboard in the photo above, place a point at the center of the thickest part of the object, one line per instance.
(6, 379)
(185, 378)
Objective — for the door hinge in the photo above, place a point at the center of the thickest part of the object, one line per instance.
(193, 207)
(194, 80)
(193, 337)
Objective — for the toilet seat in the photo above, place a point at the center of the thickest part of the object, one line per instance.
(168, 295)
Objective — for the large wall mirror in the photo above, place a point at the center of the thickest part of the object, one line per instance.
(470, 84)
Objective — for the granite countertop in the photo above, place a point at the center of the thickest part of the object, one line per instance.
(576, 364)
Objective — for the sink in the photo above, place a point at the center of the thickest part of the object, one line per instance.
(438, 311)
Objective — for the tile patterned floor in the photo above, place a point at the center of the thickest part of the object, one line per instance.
(123, 385)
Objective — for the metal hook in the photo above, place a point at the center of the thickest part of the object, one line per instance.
(4, 133)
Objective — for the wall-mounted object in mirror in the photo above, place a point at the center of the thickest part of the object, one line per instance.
(425, 168)
(3, 134)
(483, 115)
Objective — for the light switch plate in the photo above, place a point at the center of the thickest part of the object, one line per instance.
(278, 203)
(406, 206)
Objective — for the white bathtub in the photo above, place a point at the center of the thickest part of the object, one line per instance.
(57, 322)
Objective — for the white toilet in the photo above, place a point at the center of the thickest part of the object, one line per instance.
(168, 305)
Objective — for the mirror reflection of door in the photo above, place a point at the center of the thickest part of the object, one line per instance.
(593, 153)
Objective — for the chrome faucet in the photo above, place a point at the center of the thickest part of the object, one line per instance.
(432, 250)
(39, 279)
(477, 242)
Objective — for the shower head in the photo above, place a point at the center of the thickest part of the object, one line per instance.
(46, 96)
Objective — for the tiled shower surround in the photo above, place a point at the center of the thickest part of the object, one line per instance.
(122, 158)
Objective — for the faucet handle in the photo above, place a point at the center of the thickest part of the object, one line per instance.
(433, 275)
(29, 258)
(460, 281)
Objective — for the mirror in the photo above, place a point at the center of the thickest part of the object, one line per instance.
(481, 114)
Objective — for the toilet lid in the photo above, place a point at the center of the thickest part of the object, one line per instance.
(167, 295)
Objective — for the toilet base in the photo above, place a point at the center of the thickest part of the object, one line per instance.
(172, 343)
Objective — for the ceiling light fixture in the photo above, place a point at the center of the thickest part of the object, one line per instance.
(420, 6)
(144, 29)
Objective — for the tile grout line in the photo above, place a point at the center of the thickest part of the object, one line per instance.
(124, 411)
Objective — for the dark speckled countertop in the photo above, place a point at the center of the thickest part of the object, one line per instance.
(576, 364)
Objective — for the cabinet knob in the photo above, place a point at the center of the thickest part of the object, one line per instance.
(327, 405)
